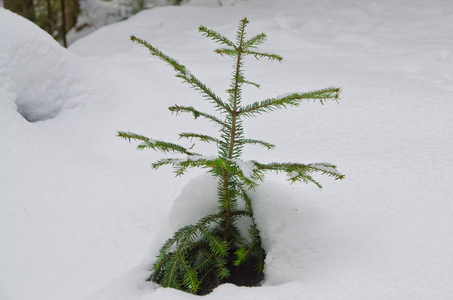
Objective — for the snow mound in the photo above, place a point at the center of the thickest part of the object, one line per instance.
(42, 75)
(198, 199)
(288, 231)
(287, 227)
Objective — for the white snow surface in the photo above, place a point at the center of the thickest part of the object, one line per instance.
(82, 214)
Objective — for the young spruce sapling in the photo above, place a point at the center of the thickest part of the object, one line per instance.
(199, 257)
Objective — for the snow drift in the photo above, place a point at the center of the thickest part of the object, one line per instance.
(43, 75)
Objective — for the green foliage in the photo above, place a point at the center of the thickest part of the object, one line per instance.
(200, 257)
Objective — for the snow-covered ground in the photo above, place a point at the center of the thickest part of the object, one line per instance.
(82, 215)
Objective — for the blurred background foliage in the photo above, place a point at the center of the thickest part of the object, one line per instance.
(67, 20)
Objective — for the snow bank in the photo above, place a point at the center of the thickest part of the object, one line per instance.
(289, 231)
(42, 74)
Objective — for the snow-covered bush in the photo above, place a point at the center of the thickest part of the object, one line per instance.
(215, 250)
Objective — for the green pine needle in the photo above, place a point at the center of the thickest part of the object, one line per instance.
(162, 146)
(156, 52)
(267, 145)
(293, 99)
(255, 41)
(215, 36)
(201, 137)
(196, 113)
(226, 51)
(259, 55)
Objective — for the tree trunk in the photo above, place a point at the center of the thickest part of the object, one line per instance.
(71, 13)
(50, 18)
(63, 27)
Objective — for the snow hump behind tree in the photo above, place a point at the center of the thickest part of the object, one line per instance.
(28, 54)
(82, 214)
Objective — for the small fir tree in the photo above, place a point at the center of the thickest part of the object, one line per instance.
(199, 257)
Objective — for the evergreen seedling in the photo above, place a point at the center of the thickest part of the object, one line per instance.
(199, 257)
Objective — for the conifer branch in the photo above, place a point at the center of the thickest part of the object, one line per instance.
(205, 260)
(162, 146)
(174, 263)
(218, 247)
(181, 165)
(207, 92)
(259, 267)
(156, 52)
(253, 248)
(243, 253)
(183, 73)
(190, 277)
(269, 146)
(257, 249)
(209, 260)
(217, 37)
(293, 99)
(247, 200)
(301, 172)
(188, 109)
(326, 169)
(201, 137)
(222, 270)
(169, 279)
(259, 55)
(226, 51)
(239, 78)
(255, 41)
(178, 236)
(249, 178)
(252, 83)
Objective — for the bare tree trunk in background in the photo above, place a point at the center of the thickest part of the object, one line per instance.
(25, 8)
(56, 17)
(71, 11)
(50, 18)
(63, 27)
